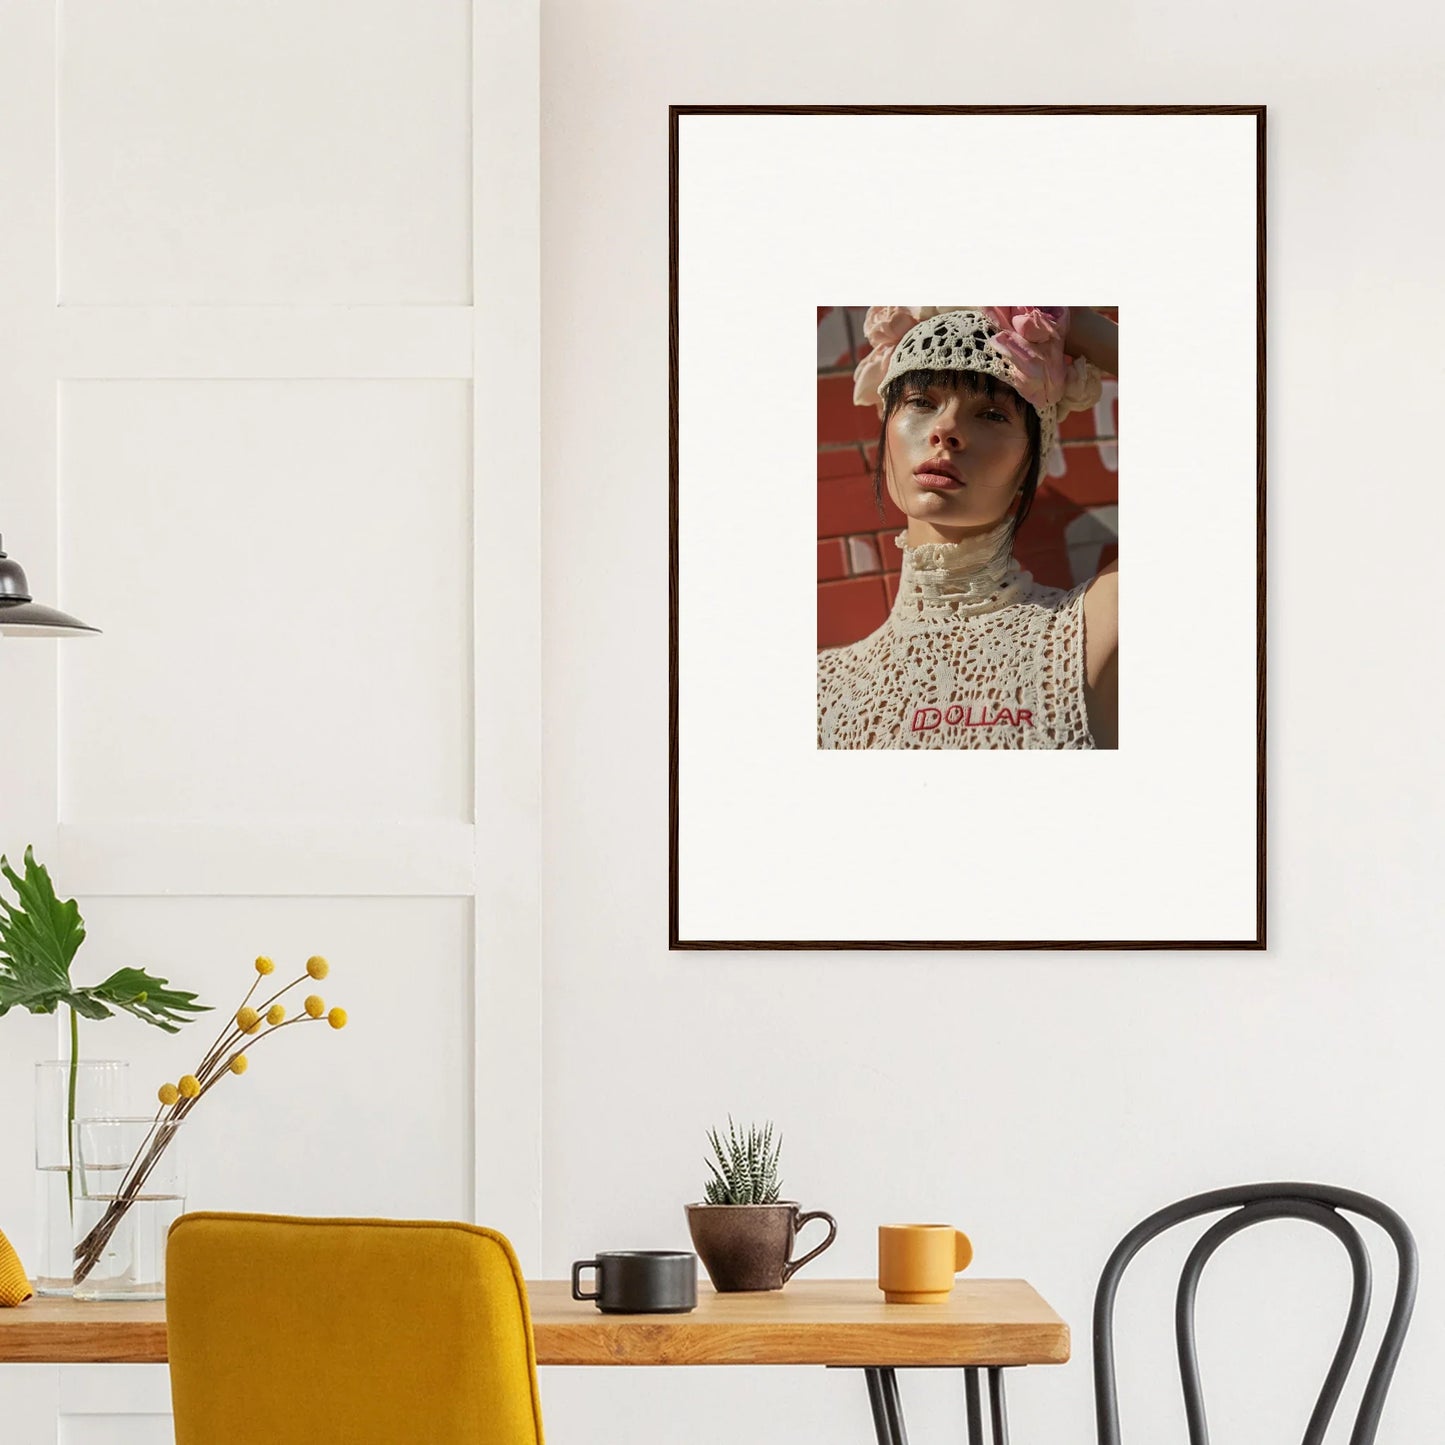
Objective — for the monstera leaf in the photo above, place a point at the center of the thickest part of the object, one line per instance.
(39, 936)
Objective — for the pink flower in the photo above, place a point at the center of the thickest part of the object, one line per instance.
(1003, 316)
(885, 327)
(888, 325)
(1083, 386)
(1032, 339)
(868, 376)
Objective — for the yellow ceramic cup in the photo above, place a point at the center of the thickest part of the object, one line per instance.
(917, 1262)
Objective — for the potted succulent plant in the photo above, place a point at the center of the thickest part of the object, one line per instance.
(742, 1230)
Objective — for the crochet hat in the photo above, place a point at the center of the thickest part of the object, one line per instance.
(1021, 345)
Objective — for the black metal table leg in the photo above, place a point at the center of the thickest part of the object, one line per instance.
(875, 1399)
(975, 1405)
(882, 1381)
(893, 1406)
(887, 1408)
(880, 1419)
(998, 1408)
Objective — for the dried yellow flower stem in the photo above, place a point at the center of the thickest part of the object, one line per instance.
(216, 1062)
(89, 1250)
(216, 1047)
(150, 1133)
(212, 1064)
(247, 1047)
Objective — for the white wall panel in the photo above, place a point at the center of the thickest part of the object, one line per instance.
(247, 406)
(27, 401)
(24, 1039)
(105, 1389)
(27, 671)
(31, 1402)
(264, 151)
(283, 569)
(246, 341)
(333, 860)
(115, 1430)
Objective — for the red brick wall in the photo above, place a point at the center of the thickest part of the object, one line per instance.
(857, 558)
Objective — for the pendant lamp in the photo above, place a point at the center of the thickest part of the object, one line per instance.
(21, 616)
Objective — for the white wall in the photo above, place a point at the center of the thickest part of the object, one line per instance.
(1045, 1102)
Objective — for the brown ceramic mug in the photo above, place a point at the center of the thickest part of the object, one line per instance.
(749, 1246)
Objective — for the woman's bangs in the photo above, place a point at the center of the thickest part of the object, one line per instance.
(972, 382)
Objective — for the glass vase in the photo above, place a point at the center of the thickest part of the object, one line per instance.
(130, 1187)
(99, 1089)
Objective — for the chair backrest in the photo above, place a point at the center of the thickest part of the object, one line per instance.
(371, 1331)
(1251, 1203)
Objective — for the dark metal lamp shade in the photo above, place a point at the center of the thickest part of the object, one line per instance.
(21, 616)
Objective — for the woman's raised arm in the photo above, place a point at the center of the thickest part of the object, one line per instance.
(1093, 335)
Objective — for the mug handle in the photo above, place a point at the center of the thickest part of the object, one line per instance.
(577, 1280)
(962, 1251)
(794, 1265)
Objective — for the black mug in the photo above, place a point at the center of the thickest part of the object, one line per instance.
(640, 1281)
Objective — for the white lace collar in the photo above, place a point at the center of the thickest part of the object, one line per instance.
(945, 580)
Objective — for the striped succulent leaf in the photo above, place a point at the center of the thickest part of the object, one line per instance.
(745, 1168)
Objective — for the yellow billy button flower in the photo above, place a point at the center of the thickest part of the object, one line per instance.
(168, 1094)
(315, 1005)
(264, 966)
(337, 1018)
(239, 1064)
(190, 1086)
(248, 1020)
(317, 966)
(275, 1014)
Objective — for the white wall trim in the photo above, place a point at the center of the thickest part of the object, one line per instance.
(506, 287)
(231, 342)
(258, 860)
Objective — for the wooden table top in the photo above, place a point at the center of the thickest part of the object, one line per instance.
(811, 1322)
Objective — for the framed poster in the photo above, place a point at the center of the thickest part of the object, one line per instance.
(898, 604)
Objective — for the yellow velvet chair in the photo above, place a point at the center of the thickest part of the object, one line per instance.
(288, 1331)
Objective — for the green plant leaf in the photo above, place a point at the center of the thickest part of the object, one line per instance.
(725, 1171)
(738, 1166)
(716, 1188)
(83, 1001)
(147, 997)
(39, 936)
(746, 1171)
(36, 998)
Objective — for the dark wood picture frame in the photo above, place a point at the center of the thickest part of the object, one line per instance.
(675, 941)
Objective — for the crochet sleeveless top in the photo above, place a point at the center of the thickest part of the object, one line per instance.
(974, 654)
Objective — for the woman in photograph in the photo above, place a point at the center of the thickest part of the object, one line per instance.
(975, 653)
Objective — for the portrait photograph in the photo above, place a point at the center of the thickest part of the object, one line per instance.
(968, 528)
(897, 591)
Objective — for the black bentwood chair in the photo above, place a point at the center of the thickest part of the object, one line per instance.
(1316, 1203)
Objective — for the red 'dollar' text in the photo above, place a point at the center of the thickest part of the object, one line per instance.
(926, 719)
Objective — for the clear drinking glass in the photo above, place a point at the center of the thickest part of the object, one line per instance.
(99, 1089)
(130, 1187)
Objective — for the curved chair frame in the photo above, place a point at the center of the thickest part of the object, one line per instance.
(1252, 1203)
